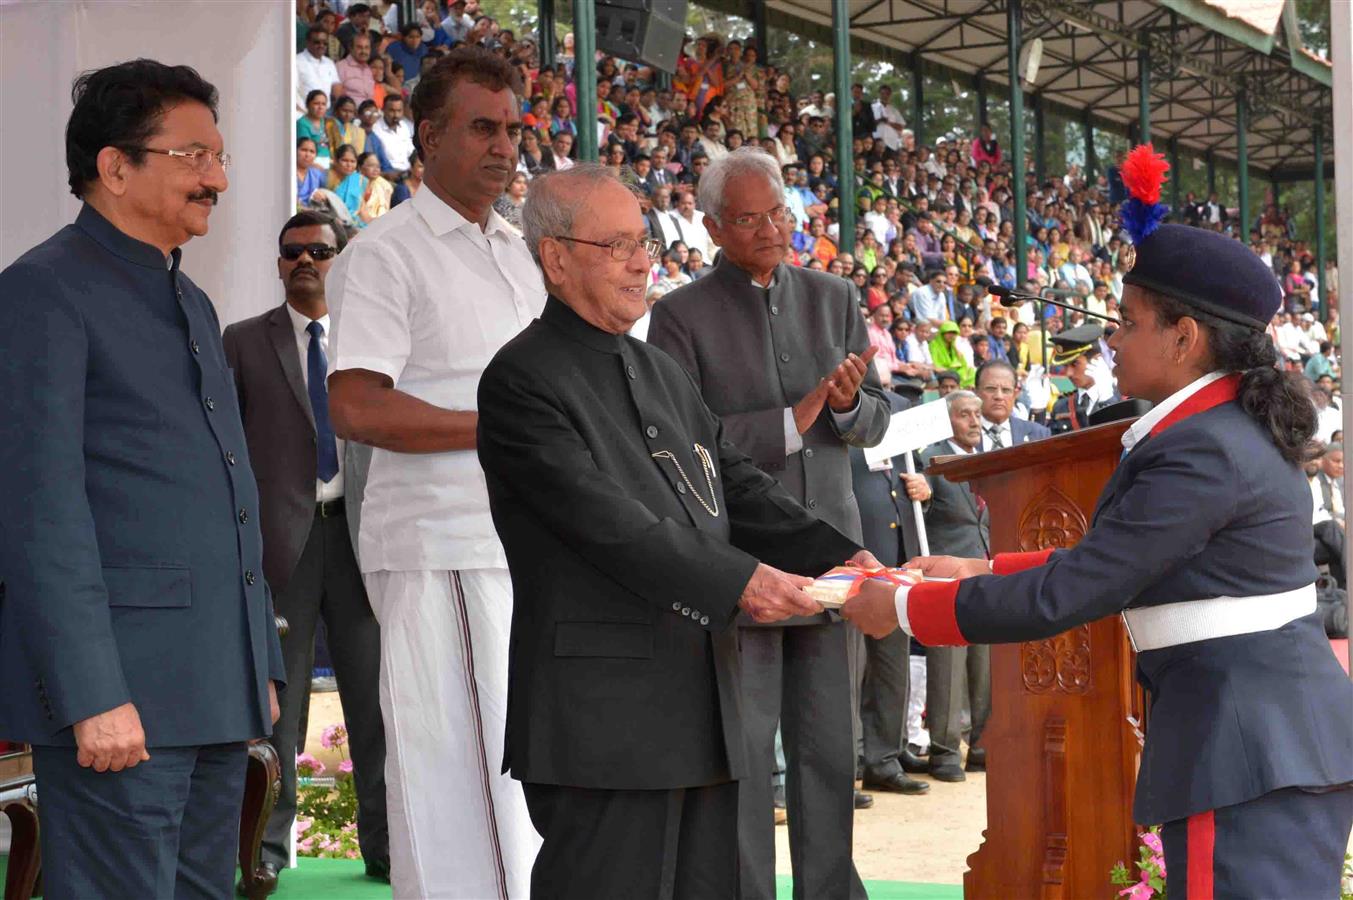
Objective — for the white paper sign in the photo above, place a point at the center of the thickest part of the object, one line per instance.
(912, 429)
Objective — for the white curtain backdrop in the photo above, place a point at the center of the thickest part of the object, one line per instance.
(244, 47)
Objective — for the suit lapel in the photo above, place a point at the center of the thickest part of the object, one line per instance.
(284, 344)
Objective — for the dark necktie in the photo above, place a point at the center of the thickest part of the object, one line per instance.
(994, 432)
(326, 447)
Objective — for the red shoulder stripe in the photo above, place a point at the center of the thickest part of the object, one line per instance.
(1223, 390)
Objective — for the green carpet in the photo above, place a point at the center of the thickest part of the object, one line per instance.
(344, 879)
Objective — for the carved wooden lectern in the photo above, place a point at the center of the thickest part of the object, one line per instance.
(1067, 716)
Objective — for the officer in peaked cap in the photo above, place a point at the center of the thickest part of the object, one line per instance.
(1202, 542)
(1077, 349)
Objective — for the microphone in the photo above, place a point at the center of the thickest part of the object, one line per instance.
(1012, 297)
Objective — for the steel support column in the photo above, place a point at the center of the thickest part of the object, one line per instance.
(1143, 96)
(981, 85)
(1174, 175)
(585, 76)
(845, 158)
(759, 29)
(917, 99)
(547, 49)
(1040, 159)
(1013, 17)
(1243, 163)
(1088, 126)
(1318, 136)
(1211, 173)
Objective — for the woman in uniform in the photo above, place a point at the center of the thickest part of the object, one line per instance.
(1202, 541)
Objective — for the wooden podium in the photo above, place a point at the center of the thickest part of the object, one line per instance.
(1067, 717)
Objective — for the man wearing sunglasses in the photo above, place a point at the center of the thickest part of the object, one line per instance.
(309, 499)
(138, 648)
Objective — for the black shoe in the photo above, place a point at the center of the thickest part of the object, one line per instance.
(947, 772)
(897, 783)
(977, 760)
(863, 800)
(779, 796)
(267, 879)
(378, 870)
(912, 763)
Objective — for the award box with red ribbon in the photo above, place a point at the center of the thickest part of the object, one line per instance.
(834, 588)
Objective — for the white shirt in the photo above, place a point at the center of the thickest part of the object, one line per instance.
(314, 75)
(886, 112)
(695, 235)
(333, 488)
(397, 142)
(879, 224)
(426, 298)
(1290, 340)
(667, 226)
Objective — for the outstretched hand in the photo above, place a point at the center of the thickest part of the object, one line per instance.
(772, 595)
(873, 609)
(950, 566)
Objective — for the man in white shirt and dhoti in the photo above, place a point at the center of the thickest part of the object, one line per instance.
(420, 304)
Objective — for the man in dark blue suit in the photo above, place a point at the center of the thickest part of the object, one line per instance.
(138, 650)
(997, 386)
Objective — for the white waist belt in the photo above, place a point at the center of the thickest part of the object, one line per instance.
(1155, 627)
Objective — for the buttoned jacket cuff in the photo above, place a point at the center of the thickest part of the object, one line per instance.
(846, 421)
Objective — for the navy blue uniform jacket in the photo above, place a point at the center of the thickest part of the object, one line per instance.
(1204, 507)
(623, 663)
(129, 543)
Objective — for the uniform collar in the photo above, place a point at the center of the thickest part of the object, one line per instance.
(561, 316)
(1213, 389)
(442, 219)
(726, 267)
(123, 245)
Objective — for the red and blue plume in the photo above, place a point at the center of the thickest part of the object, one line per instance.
(1143, 173)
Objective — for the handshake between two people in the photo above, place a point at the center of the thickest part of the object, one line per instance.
(772, 595)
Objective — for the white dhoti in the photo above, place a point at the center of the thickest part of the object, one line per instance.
(459, 830)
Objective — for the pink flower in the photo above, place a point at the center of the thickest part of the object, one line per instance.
(1152, 842)
(1159, 863)
(352, 854)
(303, 824)
(345, 767)
(334, 736)
(1140, 891)
(306, 845)
(308, 765)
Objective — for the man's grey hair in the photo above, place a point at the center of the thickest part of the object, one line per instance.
(955, 396)
(1336, 447)
(554, 200)
(746, 160)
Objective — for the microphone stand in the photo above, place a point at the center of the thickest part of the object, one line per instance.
(1015, 298)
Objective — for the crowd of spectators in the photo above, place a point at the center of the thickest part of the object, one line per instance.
(934, 220)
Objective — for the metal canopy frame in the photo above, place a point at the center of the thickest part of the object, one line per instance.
(1199, 66)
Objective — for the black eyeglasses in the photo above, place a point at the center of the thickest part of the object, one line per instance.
(318, 252)
(622, 249)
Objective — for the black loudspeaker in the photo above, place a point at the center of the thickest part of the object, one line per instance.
(644, 31)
